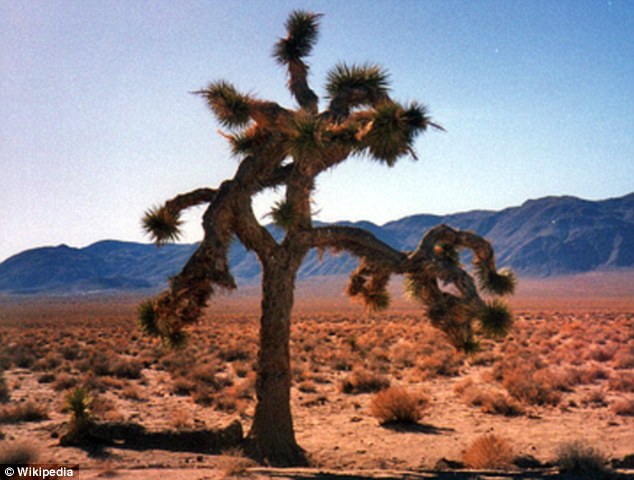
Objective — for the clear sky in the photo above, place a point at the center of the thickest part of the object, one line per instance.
(97, 122)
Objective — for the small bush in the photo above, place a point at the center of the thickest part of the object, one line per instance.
(126, 368)
(625, 408)
(23, 412)
(579, 459)
(396, 405)
(535, 387)
(490, 452)
(64, 382)
(363, 381)
(17, 454)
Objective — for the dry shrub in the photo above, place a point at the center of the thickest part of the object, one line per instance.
(444, 362)
(489, 452)
(624, 407)
(396, 405)
(64, 381)
(581, 460)
(126, 368)
(489, 400)
(364, 381)
(622, 382)
(594, 398)
(181, 419)
(17, 454)
(535, 387)
(23, 412)
(183, 386)
(403, 353)
(307, 386)
(132, 392)
(624, 358)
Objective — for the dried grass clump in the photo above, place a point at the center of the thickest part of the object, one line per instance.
(364, 381)
(489, 452)
(17, 454)
(397, 405)
(582, 461)
(622, 382)
(535, 387)
(490, 401)
(625, 407)
(23, 412)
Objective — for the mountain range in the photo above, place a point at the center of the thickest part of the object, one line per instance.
(545, 237)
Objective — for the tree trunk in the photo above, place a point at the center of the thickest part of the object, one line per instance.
(272, 437)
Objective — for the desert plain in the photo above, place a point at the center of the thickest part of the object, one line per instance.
(563, 379)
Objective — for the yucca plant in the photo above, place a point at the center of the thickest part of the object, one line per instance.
(287, 149)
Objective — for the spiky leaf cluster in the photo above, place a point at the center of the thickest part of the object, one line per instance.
(162, 225)
(497, 283)
(306, 139)
(495, 319)
(302, 28)
(283, 214)
(370, 288)
(368, 83)
(389, 134)
(230, 106)
(148, 319)
(78, 402)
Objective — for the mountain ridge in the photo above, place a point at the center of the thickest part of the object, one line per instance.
(548, 236)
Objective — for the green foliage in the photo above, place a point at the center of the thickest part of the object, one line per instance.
(147, 319)
(495, 319)
(162, 225)
(175, 340)
(306, 141)
(245, 142)
(497, 283)
(416, 116)
(470, 346)
(388, 136)
(283, 214)
(376, 301)
(369, 82)
(230, 107)
(302, 28)
(78, 402)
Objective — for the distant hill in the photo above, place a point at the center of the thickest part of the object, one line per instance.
(545, 237)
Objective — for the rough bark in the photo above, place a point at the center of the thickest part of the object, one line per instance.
(272, 437)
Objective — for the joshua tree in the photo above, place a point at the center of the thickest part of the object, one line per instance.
(287, 148)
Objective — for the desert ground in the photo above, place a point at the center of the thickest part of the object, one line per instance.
(562, 382)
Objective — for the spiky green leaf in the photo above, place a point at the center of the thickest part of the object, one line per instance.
(306, 141)
(176, 340)
(230, 106)
(162, 225)
(388, 136)
(371, 82)
(283, 214)
(376, 301)
(497, 283)
(302, 30)
(496, 319)
(147, 319)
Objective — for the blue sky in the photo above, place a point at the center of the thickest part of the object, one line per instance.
(97, 123)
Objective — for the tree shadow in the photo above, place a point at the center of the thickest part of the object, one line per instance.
(424, 428)
(132, 436)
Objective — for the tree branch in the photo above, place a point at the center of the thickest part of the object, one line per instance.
(360, 243)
